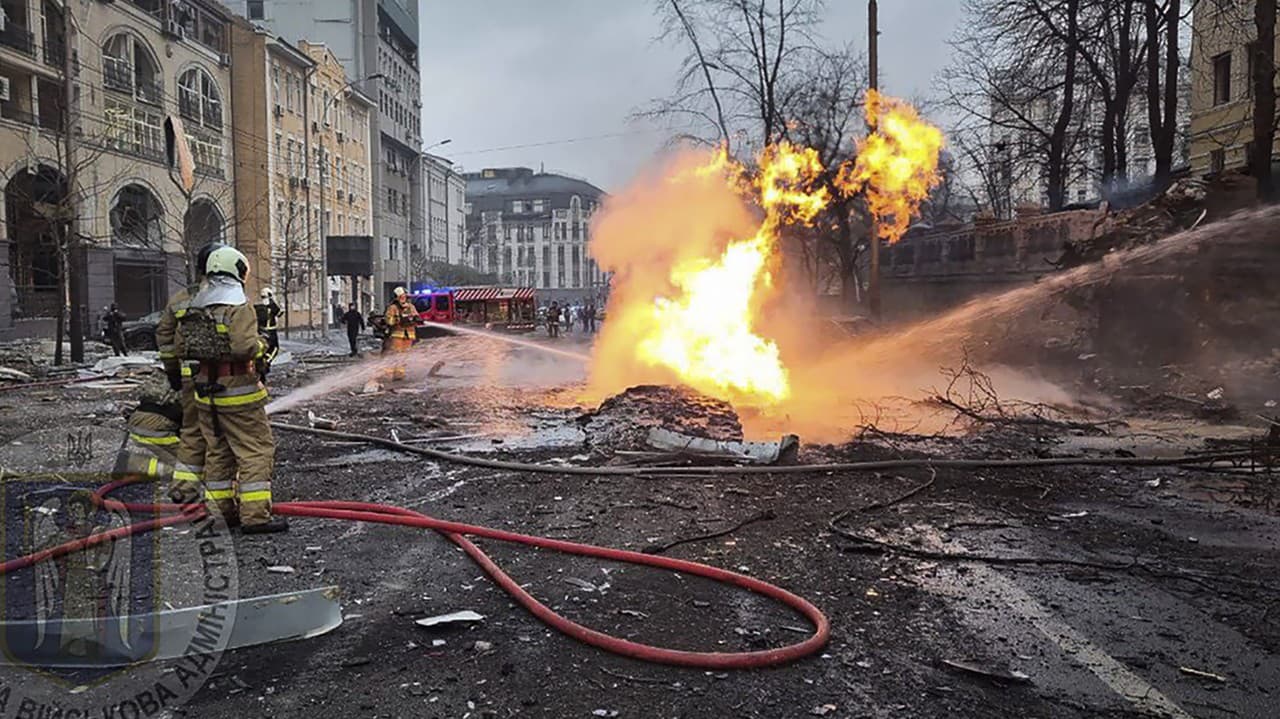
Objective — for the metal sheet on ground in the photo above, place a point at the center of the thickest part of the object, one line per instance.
(257, 620)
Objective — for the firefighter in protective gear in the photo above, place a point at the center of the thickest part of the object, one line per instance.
(402, 329)
(268, 314)
(220, 330)
(150, 450)
(190, 460)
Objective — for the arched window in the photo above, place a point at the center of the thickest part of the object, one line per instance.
(129, 67)
(199, 100)
(135, 219)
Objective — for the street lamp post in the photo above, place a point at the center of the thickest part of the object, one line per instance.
(324, 221)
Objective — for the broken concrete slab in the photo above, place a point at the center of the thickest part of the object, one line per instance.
(784, 450)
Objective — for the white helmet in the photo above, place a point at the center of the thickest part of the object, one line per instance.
(266, 292)
(399, 292)
(227, 261)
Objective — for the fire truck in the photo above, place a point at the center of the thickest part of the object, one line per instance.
(506, 309)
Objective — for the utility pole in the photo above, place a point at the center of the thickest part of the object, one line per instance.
(873, 60)
(71, 202)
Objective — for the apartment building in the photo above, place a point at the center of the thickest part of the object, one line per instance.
(531, 229)
(446, 199)
(132, 63)
(372, 38)
(1223, 36)
(303, 179)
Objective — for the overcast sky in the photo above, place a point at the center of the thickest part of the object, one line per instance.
(509, 81)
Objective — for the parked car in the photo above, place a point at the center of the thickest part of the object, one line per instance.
(140, 334)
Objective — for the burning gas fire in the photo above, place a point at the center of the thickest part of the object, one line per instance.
(897, 165)
(694, 252)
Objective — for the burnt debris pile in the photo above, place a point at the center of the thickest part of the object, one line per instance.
(623, 421)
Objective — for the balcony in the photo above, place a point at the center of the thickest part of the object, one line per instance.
(55, 51)
(8, 112)
(18, 38)
(117, 74)
(151, 92)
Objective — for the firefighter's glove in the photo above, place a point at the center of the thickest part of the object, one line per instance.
(263, 366)
(175, 379)
(184, 492)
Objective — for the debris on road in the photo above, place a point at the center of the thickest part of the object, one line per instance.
(320, 422)
(281, 569)
(622, 422)
(1203, 675)
(998, 675)
(464, 616)
(784, 450)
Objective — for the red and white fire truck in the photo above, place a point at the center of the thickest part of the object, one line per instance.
(506, 309)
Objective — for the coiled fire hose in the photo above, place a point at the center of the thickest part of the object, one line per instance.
(458, 533)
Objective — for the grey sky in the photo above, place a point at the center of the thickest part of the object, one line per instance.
(501, 73)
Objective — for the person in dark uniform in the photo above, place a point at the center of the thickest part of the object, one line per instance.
(113, 327)
(355, 324)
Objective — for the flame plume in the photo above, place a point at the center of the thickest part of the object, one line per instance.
(694, 252)
(897, 165)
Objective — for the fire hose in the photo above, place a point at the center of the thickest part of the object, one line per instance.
(458, 533)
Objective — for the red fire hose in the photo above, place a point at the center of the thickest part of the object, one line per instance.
(457, 533)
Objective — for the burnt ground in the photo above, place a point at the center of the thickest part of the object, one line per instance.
(1184, 572)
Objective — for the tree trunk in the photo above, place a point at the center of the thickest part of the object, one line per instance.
(1264, 93)
(1162, 95)
(1057, 164)
(64, 293)
(75, 323)
(1109, 142)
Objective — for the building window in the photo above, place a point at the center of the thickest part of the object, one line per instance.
(1217, 160)
(199, 100)
(1222, 79)
(256, 10)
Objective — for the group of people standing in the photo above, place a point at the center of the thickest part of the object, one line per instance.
(567, 316)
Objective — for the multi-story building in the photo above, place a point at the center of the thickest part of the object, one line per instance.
(446, 198)
(302, 170)
(132, 64)
(1016, 158)
(372, 37)
(531, 229)
(1223, 36)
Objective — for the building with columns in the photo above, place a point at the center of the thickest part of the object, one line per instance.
(132, 63)
(531, 229)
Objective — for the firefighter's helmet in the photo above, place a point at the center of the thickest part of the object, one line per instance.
(399, 292)
(202, 255)
(266, 292)
(227, 261)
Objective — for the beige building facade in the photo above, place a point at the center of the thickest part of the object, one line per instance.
(1221, 86)
(303, 171)
(132, 64)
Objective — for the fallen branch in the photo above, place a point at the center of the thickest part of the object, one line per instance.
(660, 548)
(933, 476)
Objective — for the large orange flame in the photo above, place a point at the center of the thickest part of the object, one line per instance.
(693, 252)
(897, 164)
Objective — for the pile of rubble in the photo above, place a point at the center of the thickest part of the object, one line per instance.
(623, 422)
(1179, 207)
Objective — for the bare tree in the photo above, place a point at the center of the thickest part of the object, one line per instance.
(824, 114)
(1016, 72)
(1163, 20)
(745, 65)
